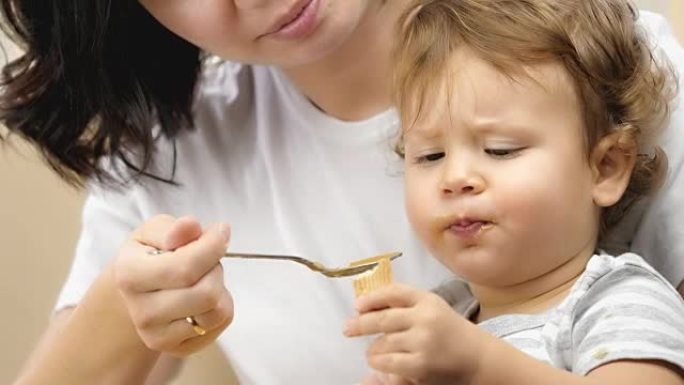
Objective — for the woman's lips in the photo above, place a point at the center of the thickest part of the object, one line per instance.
(300, 22)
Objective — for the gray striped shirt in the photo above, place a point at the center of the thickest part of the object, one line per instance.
(619, 308)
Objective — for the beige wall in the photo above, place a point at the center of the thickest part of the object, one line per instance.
(39, 222)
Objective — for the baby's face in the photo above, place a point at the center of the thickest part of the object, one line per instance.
(498, 184)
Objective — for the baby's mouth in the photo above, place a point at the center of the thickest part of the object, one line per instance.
(470, 227)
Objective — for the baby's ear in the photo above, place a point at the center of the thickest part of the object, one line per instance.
(612, 161)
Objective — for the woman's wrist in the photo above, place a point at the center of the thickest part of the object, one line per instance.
(96, 344)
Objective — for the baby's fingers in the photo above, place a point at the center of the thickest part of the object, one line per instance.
(374, 379)
(397, 380)
(391, 343)
(380, 321)
(385, 379)
(400, 366)
(392, 296)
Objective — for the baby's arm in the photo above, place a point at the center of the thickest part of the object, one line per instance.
(503, 364)
(423, 341)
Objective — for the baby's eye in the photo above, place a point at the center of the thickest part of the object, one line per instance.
(432, 157)
(503, 153)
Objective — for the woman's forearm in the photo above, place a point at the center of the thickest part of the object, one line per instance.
(96, 344)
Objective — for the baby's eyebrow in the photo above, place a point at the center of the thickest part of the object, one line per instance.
(502, 127)
(433, 132)
(424, 133)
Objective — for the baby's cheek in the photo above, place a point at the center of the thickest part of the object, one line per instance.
(417, 212)
(528, 206)
(422, 228)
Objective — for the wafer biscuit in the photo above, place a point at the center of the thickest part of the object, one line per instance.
(379, 276)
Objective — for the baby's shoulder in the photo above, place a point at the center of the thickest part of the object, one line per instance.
(620, 282)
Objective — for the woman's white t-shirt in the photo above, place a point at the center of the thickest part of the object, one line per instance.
(290, 179)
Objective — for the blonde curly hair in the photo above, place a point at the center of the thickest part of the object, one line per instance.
(621, 86)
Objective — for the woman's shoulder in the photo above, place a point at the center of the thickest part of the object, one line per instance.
(229, 80)
(223, 79)
(231, 93)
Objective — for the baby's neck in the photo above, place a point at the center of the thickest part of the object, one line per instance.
(530, 297)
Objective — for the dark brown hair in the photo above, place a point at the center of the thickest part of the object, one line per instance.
(94, 78)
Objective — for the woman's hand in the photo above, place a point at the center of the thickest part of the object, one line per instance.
(422, 341)
(161, 290)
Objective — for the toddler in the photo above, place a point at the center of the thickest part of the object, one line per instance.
(528, 130)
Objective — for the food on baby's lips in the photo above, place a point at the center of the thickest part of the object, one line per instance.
(379, 276)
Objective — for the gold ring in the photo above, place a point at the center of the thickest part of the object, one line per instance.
(195, 326)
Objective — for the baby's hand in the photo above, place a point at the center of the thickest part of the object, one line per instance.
(423, 340)
(384, 379)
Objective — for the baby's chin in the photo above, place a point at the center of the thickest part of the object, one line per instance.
(485, 268)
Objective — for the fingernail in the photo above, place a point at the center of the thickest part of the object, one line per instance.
(358, 304)
(348, 327)
(379, 378)
(383, 378)
(224, 230)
